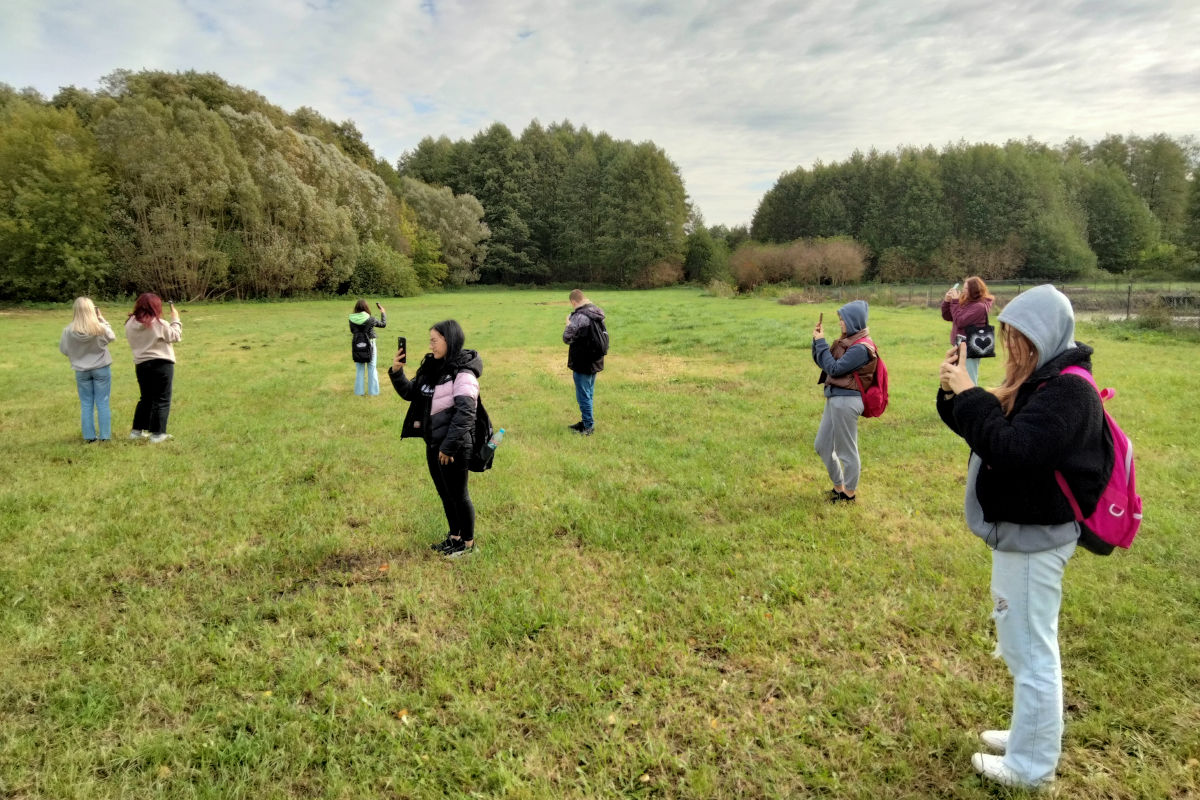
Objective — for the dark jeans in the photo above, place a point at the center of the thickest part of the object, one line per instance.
(450, 480)
(154, 379)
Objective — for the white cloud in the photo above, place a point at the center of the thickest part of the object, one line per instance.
(735, 93)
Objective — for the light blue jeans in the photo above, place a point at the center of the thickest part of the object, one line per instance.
(973, 369)
(94, 386)
(837, 439)
(585, 386)
(1027, 594)
(368, 370)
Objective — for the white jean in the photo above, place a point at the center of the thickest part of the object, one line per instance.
(1027, 595)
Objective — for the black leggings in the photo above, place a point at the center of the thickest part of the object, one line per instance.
(450, 480)
(154, 379)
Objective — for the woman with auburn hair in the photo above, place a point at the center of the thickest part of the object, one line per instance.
(968, 307)
(1037, 423)
(85, 343)
(150, 338)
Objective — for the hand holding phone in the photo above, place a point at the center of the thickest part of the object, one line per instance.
(402, 349)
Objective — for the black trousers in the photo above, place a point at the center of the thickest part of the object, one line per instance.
(154, 379)
(450, 480)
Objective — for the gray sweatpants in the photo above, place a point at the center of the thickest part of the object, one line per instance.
(837, 439)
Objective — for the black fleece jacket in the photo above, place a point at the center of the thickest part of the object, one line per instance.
(1057, 423)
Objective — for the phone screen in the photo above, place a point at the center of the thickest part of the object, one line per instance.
(402, 344)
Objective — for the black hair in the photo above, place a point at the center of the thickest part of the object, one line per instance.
(452, 332)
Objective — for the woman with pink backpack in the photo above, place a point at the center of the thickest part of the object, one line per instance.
(1037, 423)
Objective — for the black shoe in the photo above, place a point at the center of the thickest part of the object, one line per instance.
(577, 427)
(441, 546)
(458, 548)
(833, 496)
(840, 497)
(586, 431)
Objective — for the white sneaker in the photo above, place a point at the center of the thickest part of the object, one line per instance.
(994, 769)
(160, 437)
(996, 741)
(135, 435)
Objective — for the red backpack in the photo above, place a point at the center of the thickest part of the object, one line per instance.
(1118, 514)
(875, 399)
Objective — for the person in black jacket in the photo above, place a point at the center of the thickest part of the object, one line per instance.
(1035, 423)
(442, 397)
(363, 324)
(583, 359)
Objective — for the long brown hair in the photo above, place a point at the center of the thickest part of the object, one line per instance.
(974, 290)
(361, 305)
(1019, 364)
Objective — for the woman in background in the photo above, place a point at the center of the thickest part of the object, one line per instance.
(847, 370)
(150, 338)
(442, 397)
(85, 343)
(968, 307)
(1035, 423)
(362, 327)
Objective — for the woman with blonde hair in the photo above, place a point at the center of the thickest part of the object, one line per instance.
(85, 343)
(966, 308)
(1036, 424)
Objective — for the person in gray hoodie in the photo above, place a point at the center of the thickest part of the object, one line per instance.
(85, 343)
(1036, 423)
(847, 370)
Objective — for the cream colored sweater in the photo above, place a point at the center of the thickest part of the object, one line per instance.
(153, 341)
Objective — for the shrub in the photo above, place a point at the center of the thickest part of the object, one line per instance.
(719, 288)
(667, 272)
(380, 270)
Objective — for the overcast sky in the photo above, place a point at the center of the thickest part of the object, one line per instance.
(734, 92)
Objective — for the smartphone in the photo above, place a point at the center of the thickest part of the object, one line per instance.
(402, 344)
(954, 288)
(821, 318)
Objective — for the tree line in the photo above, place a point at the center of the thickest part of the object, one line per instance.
(1023, 209)
(196, 188)
(192, 187)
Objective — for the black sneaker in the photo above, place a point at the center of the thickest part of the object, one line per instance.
(441, 546)
(458, 548)
(577, 427)
(586, 431)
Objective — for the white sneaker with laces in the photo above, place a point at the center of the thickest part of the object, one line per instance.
(135, 435)
(994, 769)
(160, 437)
(996, 741)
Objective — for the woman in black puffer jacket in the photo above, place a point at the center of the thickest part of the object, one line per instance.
(1036, 423)
(442, 399)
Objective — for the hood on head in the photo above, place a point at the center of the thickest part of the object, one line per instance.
(854, 314)
(1045, 316)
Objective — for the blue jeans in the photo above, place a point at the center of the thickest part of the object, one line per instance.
(585, 386)
(94, 386)
(973, 369)
(369, 371)
(1027, 594)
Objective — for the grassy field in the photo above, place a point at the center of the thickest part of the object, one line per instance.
(666, 609)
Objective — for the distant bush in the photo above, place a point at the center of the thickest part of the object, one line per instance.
(667, 272)
(805, 261)
(719, 288)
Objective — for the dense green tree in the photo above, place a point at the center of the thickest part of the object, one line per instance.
(458, 223)
(1120, 224)
(643, 209)
(53, 205)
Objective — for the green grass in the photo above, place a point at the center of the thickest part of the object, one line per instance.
(666, 609)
